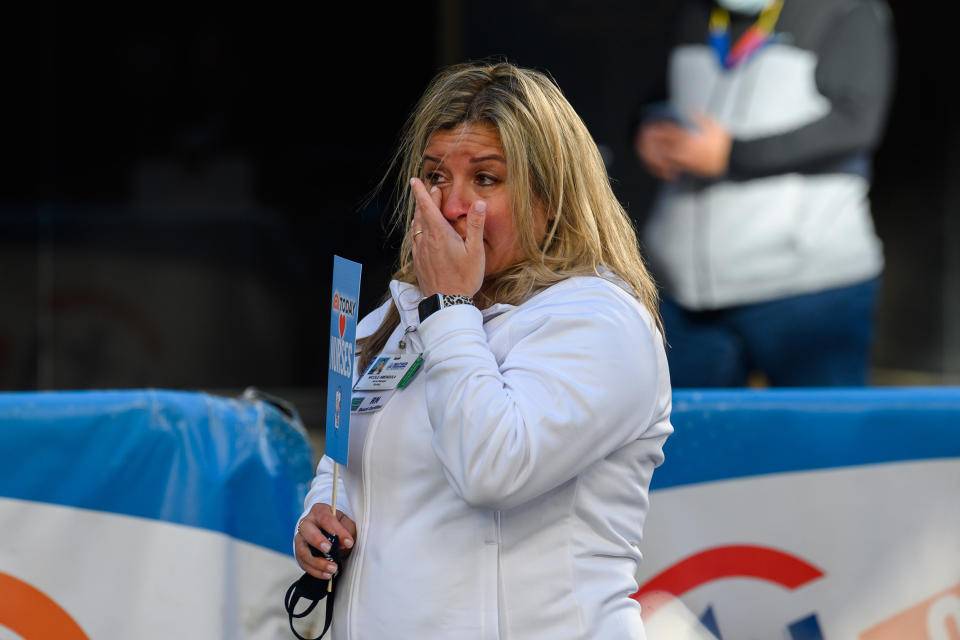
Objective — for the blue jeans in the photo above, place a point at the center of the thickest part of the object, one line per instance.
(814, 340)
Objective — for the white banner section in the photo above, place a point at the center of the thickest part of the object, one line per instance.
(112, 576)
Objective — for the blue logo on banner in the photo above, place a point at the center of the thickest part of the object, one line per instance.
(343, 333)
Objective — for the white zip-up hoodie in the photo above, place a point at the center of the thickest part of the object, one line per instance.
(502, 493)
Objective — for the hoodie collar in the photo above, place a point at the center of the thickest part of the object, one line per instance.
(407, 296)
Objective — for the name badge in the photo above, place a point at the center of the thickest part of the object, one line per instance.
(382, 379)
(388, 372)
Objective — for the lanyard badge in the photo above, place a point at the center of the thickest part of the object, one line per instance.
(750, 42)
(383, 377)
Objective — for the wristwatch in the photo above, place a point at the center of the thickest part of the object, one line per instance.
(438, 301)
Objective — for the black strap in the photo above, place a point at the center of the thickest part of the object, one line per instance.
(313, 590)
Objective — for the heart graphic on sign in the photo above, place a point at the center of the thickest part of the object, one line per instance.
(343, 324)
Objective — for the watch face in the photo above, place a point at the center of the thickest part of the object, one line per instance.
(428, 305)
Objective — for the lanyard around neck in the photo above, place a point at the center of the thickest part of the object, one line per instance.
(752, 39)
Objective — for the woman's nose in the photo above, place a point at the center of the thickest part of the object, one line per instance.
(456, 202)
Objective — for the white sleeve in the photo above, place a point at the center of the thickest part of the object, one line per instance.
(581, 379)
(321, 490)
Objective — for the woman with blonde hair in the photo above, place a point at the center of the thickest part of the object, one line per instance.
(500, 490)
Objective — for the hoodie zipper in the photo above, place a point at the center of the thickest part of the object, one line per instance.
(365, 469)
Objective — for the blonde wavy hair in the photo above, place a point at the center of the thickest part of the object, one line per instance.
(552, 161)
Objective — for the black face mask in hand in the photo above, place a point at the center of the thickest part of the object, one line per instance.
(313, 590)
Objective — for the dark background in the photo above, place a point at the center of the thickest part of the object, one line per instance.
(176, 179)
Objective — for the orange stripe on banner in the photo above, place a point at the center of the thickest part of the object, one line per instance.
(735, 561)
(32, 615)
(934, 618)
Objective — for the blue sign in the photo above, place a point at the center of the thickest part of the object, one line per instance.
(343, 333)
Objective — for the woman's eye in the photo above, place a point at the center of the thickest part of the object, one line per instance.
(435, 178)
(486, 179)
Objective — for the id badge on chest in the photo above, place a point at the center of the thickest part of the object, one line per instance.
(381, 380)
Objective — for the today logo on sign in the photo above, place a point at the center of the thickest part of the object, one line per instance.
(341, 350)
(346, 307)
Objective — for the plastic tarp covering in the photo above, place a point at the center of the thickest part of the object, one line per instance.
(149, 513)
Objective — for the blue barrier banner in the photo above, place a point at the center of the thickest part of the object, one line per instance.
(795, 514)
(807, 514)
(738, 433)
(148, 514)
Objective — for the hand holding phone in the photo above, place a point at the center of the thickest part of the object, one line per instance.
(665, 111)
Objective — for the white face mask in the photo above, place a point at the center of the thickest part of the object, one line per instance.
(744, 6)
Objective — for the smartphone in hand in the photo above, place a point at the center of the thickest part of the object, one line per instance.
(665, 111)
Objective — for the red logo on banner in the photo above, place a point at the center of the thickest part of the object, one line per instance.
(735, 561)
(343, 324)
(336, 302)
(32, 615)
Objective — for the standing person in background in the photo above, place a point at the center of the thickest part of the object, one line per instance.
(762, 235)
(501, 493)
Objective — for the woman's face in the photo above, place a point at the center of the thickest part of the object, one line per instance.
(467, 164)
